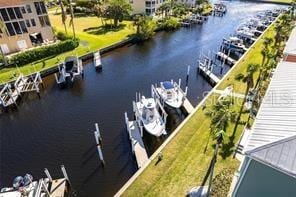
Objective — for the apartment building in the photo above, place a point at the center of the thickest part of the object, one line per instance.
(25, 25)
(147, 7)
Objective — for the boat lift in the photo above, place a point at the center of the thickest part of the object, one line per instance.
(10, 93)
(205, 68)
(62, 75)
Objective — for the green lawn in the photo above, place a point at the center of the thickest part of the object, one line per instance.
(92, 37)
(185, 163)
(280, 1)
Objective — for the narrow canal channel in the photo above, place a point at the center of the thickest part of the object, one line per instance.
(58, 128)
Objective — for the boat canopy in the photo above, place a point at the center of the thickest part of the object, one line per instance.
(168, 85)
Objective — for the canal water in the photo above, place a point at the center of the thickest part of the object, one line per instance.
(58, 128)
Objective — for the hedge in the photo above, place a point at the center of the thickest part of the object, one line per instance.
(43, 52)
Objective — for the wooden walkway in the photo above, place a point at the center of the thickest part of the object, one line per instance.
(136, 142)
(210, 76)
(58, 187)
(188, 106)
(233, 94)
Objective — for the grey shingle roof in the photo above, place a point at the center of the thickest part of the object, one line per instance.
(280, 155)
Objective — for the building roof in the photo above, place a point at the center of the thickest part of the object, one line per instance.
(276, 118)
(290, 45)
(280, 155)
(10, 3)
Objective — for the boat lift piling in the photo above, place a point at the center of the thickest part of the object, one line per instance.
(65, 174)
(98, 139)
(48, 174)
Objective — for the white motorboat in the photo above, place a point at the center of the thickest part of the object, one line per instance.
(171, 93)
(146, 110)
(234, 43)
(245, 33)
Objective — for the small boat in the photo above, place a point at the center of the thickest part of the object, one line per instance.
(146, 109)
(220, 8)
(71, 68)
(234, 43)
(171, 93)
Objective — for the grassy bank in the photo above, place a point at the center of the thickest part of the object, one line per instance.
(92, 36)
(185, 162)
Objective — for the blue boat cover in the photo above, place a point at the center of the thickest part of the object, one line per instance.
(168, 85)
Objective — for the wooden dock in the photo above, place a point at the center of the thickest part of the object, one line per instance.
(137, 143)
(209, 75)
(58, 187)
(223, 57)
(188, 106)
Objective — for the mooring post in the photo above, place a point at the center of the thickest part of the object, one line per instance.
(48, 174)
(101, 155)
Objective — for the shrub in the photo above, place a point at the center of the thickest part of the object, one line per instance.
(62, 36)
(43, 52)
(146, 27)
(170, 24)
(222, 182)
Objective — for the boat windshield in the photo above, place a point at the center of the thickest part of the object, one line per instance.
(168, 85)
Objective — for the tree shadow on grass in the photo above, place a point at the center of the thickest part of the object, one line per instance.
(227, 149)
(104, 29)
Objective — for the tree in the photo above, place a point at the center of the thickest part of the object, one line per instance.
(117, 9)
(71, 23)
(63, 15)
(145, 27)
(221, 114)
(164, 9)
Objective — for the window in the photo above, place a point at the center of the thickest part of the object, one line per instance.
(44, 21)
(23, 10)
(11, 13)
(29, 10)
(28, 23)
(42, 6)
(37, 7)
(10, 29)
(23, 27)
(33, 22)
(4, 14)
(18, 13)
(17, 28)
(148, 4)
(148, 11)
(41, 20)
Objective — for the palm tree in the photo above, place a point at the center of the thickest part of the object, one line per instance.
(278, 34)
(2, 31)
(71, 23)
(64, 15)
(221, 114)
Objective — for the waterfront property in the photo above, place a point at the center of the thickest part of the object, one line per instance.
(269, 148)
(60, 124)
(26, 25)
